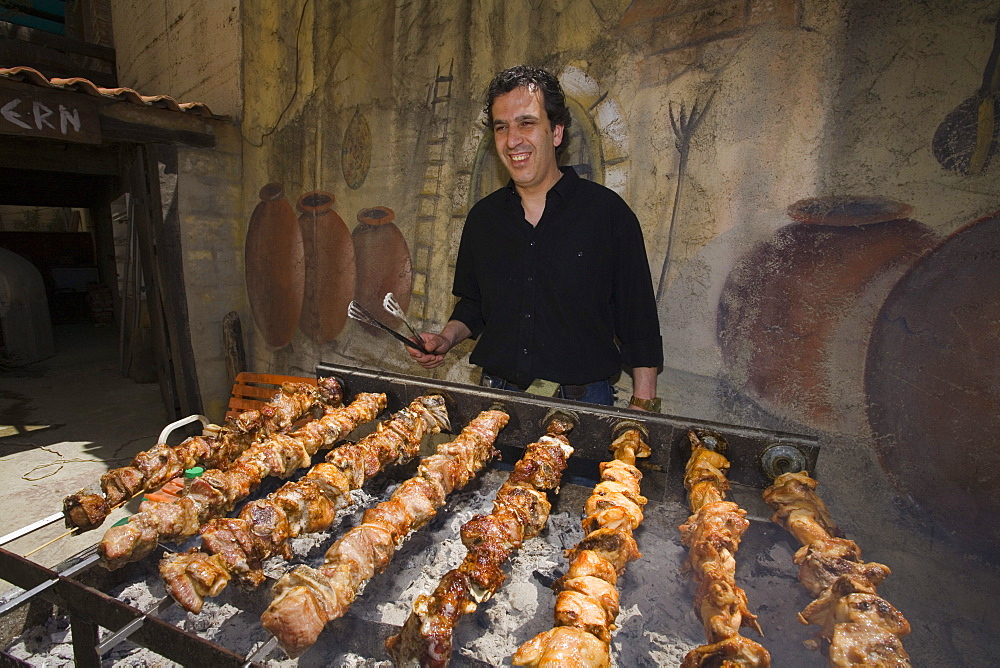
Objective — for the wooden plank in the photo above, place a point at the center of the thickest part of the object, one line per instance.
(232, 337)
(59, 43)
(158, 124)
(53, 63)
(145, 217)
(29, 153)
(252, 390)
(170, 275)
(32, 111)
(123, 131)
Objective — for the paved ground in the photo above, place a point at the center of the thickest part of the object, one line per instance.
(63, 422)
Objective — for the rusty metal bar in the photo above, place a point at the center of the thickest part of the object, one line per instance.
(597, 427)
(86, 605)
(84, 643)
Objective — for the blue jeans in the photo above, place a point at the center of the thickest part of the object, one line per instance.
(600, 392)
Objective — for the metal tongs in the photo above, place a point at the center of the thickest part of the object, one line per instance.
(360, 313)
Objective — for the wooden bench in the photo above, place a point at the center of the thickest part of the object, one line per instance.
(252, 390)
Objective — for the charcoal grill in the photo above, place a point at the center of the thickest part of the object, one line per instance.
(751, 451)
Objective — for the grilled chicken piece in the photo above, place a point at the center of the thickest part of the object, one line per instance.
(596, 589)
(799, 509)
(588, 562)
(615, 545)
(860, 627)
(193, 576)
(153, 468)
(585, 613)
(728, 653)
(620, 472)
(613, 510)
(587, 604)
(856, 608)
(426, 636)
(365, 550)
(823, 561)
(722, 608)
(563, 647)
(85, 511)
(860, 644)
(627, 447)
(121, 484)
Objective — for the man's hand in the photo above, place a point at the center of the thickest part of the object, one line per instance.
(436, 346)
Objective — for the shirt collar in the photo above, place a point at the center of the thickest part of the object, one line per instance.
(563, 187)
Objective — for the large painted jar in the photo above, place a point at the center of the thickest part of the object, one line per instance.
(329, 265)
(275, 266)
(383, 262)
(796, 312)
(933, 384)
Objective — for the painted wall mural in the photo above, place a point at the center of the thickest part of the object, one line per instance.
(302, 272)
(383, 263)
(356, 154)
(274, 257)
(933, 382)
(797, 309)
(796, 166)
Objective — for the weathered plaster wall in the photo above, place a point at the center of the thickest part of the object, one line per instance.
(209, 200)
(189, 50)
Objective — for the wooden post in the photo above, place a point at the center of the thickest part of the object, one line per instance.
(232, 336)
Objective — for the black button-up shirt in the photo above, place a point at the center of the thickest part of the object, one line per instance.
(567, 300)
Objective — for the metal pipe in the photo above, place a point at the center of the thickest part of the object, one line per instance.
(180, 423)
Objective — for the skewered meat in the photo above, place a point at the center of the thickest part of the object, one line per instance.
(587, 604)
(859, 627)
(154, 467)
(712, 534)
(216, 491)
(426, 636)
(729, 652)
(564, 647)
(306, 599)
(264, 527)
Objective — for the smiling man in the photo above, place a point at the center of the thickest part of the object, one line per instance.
(552, 276)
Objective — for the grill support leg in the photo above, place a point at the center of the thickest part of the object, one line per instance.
(84, 643)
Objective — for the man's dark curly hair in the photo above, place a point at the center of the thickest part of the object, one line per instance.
(530, 78)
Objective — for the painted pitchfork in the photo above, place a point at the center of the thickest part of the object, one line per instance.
(684, 125)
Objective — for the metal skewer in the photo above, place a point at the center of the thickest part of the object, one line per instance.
(13, 535)
(360, 313)
(124, 632)
(261, 652)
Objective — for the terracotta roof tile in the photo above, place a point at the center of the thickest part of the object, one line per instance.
(32, 76)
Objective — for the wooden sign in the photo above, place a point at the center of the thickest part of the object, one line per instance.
(37, 112)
